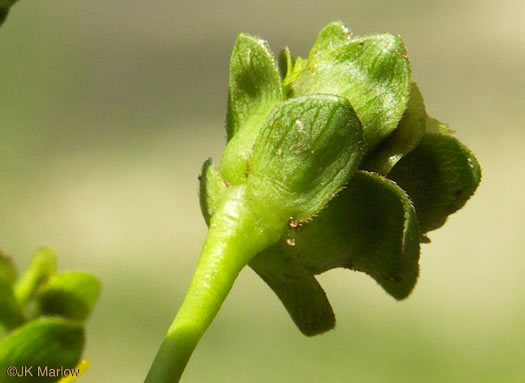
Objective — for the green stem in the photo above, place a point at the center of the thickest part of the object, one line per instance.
(239, 230)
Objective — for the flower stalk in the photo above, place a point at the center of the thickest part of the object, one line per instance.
(306, 181)
(238, 231)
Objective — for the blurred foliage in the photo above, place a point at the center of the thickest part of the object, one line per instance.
(104, 122)
(41, 318)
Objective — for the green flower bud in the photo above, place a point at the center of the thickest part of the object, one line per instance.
(70, 295)
(289, 200)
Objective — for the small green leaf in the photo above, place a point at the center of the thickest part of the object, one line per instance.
(54, 343)
(403, 140)
(255, 88)
(10, 313)
(370, 226)
(286, 62)
(298, 290)
(290, 68)
(71, 295)
(373, 72)
(308, 149)
(211, 188)
(7, 268)
(440, 175)
(298, 66)
(43, 266)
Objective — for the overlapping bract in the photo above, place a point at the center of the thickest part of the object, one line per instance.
(413, 172)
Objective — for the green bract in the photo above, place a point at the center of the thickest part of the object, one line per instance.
(372, 72)
(255, 88)
(440, 175)
(331, 162)
(404, 139)
(304, 154)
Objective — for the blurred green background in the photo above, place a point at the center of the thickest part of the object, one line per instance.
(109, 108)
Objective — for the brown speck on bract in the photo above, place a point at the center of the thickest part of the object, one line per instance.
(247, 172)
